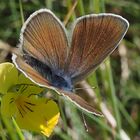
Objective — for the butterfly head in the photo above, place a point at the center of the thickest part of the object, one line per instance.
(62, 82)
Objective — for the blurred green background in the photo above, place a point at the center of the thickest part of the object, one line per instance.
(117, 80)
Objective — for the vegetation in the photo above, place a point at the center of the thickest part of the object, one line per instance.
(116, 81)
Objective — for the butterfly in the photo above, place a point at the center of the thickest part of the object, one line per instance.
(51, 59)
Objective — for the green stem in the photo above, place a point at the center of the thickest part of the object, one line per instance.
(62, 114)
(113, 95)
(2, 135)
(14, 14)
(10, 128)
(18, 130)
(126, 115)
(80, 7)
(48, 4)
(21, 12)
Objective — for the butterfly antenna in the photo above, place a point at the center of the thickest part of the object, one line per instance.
(85, 124)
(86, 88)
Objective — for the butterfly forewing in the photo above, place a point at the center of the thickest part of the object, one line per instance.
(94, 38)
(44, 38)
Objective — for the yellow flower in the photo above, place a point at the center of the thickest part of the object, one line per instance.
(8, 76)
(20, 100)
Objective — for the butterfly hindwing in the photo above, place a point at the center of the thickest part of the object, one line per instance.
(29, 71)
(80, 103)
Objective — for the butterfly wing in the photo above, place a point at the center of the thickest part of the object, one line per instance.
(29, 71)
(45, 47)
(80, 102)
(44, 38)
(94, 38)
(44, 44)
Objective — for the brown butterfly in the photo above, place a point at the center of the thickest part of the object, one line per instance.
(51, 60)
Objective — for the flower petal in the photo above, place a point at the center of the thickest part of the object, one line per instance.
(37, 114)
(8, 106)
(24, 80)
(27, 86)
(8, 76)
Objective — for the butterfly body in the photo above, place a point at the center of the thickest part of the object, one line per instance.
(57, 78)
(49, 61)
